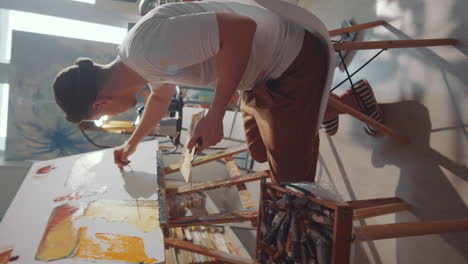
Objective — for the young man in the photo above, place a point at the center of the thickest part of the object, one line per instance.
(278, 67)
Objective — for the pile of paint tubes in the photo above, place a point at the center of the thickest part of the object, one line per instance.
(294, 230)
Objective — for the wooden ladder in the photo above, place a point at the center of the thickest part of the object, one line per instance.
(237, 179)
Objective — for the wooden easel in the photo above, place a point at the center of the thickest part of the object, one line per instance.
(249, 214)
(375, 207)
(344, 234)
(388, 44)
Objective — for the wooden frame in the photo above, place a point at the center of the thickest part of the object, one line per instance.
(376, 207)
(239, 216)
(205, 159)
(217, 254)
(344, 234)
(386, 44)
(210, 185)
(356, 28)
(342, 231)
(237, 179)
(345, 212)
(394, 44)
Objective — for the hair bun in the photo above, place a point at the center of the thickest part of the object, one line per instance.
(83, 62)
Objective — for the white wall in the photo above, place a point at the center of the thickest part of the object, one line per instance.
(104, 12)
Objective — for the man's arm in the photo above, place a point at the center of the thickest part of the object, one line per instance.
(236, 34)
(155, 109)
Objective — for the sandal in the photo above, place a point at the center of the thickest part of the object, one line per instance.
(368, 104)
(331, 125)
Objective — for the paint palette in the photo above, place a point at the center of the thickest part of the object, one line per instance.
(81, 209)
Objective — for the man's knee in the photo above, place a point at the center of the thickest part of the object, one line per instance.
(258, 152)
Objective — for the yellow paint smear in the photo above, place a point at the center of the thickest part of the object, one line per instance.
(119, 248)
(142, 214)
(60, 238)
(59, 243)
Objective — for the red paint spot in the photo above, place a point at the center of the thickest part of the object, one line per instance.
(15, 258)
(71, 196)
(42, 172)
(45, 170)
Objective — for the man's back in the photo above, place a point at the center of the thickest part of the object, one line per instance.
(177, 43)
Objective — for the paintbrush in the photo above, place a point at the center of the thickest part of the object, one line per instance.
(138, 208)
(196, 150)
(131, 169)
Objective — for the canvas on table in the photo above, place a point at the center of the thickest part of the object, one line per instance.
(83, 209)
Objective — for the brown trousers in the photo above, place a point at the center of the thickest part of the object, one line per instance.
(280, 116)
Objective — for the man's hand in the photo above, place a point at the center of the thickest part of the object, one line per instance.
(122, 153)
(209, 129)
(156, 107)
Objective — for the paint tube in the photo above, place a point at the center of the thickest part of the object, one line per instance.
(270, 236)
(322, 246)
(310, 257)
(296, 243)
(301, 202)
(284, 231)
(319, 218)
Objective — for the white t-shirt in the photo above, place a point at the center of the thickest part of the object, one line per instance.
(178, 42)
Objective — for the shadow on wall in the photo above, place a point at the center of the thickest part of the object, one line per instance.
(428, 56)
(456, 10)
(422, 183)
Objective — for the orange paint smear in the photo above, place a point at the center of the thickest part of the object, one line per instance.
(118, 247)
(45, 169)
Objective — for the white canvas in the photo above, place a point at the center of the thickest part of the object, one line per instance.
(25, 221)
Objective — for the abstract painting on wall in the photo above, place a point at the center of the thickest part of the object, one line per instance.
(37, 129)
